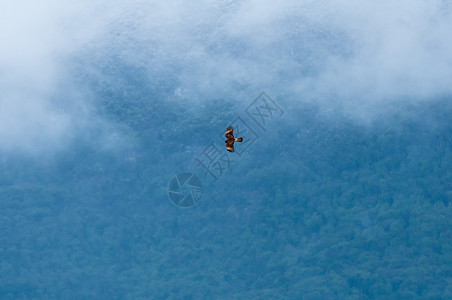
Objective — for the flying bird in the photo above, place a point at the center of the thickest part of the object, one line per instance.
(230, 139)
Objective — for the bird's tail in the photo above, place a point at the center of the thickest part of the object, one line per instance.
(239, 139)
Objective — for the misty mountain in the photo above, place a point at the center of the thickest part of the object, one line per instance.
(341, 188)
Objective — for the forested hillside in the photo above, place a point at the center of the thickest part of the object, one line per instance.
(340, 190)
(323, 206)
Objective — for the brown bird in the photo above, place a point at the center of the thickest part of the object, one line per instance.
(230, 139)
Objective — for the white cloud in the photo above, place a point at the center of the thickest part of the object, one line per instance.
(357, 52)
(37, 40)
(400, 49)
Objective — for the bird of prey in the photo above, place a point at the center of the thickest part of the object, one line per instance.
(230, 139)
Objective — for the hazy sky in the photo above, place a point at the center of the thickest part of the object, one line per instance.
(356, 52)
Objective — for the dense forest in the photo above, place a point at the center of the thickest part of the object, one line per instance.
(345, 193)
(323, 206)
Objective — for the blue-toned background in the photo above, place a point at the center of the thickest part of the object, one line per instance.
(344, 196)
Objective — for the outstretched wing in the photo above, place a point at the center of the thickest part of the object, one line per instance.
(229, 133)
